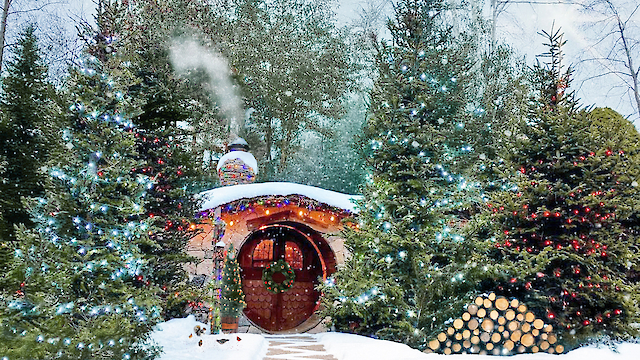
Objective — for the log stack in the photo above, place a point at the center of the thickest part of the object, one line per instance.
(496, 325)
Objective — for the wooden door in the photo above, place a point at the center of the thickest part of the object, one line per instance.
(290, 308)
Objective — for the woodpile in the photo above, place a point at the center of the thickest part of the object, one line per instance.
(495, 325)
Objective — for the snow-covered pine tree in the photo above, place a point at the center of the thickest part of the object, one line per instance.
(411, 269)
(79, 283)
(567, 242)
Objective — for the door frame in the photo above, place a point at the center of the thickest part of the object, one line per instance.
(312, 237)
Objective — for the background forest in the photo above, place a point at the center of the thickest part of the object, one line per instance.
(480, 171)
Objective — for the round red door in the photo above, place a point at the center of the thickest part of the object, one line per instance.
(290, 308)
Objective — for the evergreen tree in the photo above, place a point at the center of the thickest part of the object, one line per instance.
(171, 208)
(6, 248)
(504, 105)
(231, 295)
(168, 155)
(28, 107)
(78, 287)
(166, 106)
(411, 269)
(568, 240)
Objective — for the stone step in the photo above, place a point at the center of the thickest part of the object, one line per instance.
(295, 347)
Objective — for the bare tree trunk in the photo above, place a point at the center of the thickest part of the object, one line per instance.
(3, 29)
(632, 70)
(494, 19)
(285, 149)
(497, 8)
(269, 144)
(620, 56)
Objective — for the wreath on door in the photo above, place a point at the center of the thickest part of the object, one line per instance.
(278, 267)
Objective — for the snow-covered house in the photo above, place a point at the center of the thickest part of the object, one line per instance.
(270, 224)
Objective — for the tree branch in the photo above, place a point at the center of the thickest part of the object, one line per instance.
(36, 8)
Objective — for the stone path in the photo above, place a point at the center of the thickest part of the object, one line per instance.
(295, 347)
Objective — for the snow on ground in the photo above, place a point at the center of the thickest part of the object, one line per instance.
(354, 347)
(173, 336)
(351, 347)
(226, 194)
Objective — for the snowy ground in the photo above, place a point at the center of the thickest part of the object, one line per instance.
(354, 347)
(173, 336)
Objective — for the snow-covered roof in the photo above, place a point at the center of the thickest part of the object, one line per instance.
(227, 194)
(246, 158)
(239, 141)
